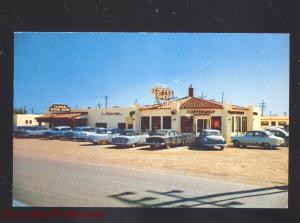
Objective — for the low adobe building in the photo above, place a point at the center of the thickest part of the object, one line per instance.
(187, 115)
(192, 114)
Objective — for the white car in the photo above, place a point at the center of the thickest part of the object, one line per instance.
(104, 136)
(82, 133)
(262, 138)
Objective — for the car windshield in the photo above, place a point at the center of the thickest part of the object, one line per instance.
(268, 133)
(127, 133)
(160, 132)
(102, 131)
(208, 133)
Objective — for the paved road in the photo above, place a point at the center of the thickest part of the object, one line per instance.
(45, 182)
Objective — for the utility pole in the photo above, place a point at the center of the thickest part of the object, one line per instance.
(99, 105)
(106, 101)
(202, 96)
(270, 113)
(222, 97)
(263, 105)
(24, 110)
(284, 113)
(31, 110)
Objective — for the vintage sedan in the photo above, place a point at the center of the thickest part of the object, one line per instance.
(31, 131)
(279, 132)
(57, 132)
(210, 138)
(165, 138)
(83, 133)
(262, 138)
(130, 137)
(104, 136)
(75, 133)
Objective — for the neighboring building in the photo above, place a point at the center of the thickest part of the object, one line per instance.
(275, 121)
(102, 117)
(186, 115)
(25, 119)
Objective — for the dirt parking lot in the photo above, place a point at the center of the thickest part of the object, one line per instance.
(246, 165)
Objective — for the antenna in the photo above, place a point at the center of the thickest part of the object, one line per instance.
(202, 96)
(222, 97)
(262, 105)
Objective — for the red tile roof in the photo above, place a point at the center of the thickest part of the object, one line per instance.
(68, 115)
(236, 107)
(187, 103)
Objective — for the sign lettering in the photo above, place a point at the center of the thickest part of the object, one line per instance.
(200, 112)
(59, 108)
(111, 113)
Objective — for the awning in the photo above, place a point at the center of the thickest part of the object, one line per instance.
(68, 115)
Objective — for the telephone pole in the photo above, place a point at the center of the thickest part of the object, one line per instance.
(202, 95)
(222, 97)
(262, 105)
(99, 105)
(106, 101)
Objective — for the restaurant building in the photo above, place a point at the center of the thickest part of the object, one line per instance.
(274, 121)
(187, 115)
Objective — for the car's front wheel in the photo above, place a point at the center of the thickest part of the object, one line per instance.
(236, 143)
(266, 145)
(168, 146)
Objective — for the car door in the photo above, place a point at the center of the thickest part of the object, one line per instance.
(172, 137)
(248, 139)
(178, 137)
(260, 138)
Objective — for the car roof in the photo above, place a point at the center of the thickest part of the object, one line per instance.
(275, 128)
(210, 130)
(60, 127)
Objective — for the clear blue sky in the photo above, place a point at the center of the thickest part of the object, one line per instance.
(79, 69)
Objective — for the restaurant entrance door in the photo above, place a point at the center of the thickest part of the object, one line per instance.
(203, 123)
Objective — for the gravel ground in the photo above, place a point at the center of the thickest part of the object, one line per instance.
(246, 165)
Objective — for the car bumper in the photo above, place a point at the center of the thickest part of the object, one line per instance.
(155, 144)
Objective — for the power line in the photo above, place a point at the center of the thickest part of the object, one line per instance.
(262, 105)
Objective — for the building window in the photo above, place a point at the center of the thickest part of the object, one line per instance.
(264, 123)
(155, 121)
(130, 126)
(101, 125)
(122, 126)
(216, 123)
(26, 121)
(167, 122)
(237, 124)
(244, 124)
(30, 121)
(145, 122)
(282, 123)
(186, 124)
(273, 123)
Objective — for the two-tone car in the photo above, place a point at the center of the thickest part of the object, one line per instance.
(76, 133)
(57, 132)
(83, 133)
(104, 136)
(31, 131)
(279, 132)
(165, 138)
(210, 138)
(130, 138)
(262, 138)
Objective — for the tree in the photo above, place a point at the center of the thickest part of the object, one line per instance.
(20, 111)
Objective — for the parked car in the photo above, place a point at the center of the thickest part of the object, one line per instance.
(165, 138)
(34, 131)
(104, 136)
(210, 138)
(75, 133)
(130, 137)
(262, 138)
(18, 130)
(279, 132)
(83, 132)
(57, 132)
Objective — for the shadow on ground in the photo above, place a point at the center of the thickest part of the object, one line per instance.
(204, 149)
(177, 198)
